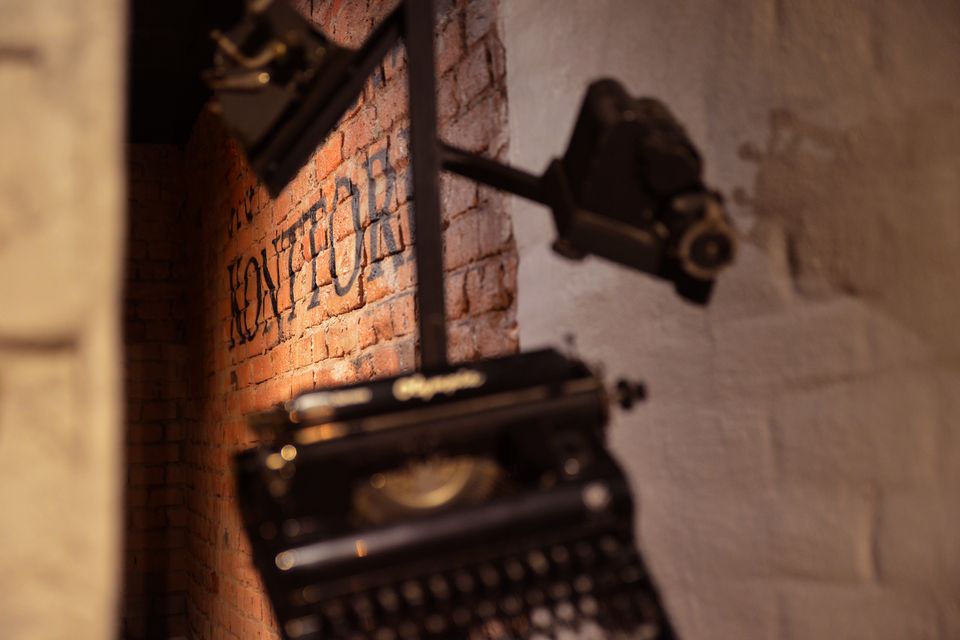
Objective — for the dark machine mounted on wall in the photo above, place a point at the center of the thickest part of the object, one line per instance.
(480, 500)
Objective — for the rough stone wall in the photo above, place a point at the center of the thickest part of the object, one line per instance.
(61, 220)
(797, 463)
(315, 288)
(159, 364)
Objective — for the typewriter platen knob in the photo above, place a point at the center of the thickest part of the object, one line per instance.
(629, 392)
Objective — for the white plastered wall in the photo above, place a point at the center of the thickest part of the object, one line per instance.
(61, 215)
(798, 463)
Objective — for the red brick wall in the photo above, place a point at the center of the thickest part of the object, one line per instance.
(316, 287)
(159, 407)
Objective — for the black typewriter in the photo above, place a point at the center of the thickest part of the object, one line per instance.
(476, 501)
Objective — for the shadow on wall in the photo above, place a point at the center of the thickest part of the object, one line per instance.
(845, 203)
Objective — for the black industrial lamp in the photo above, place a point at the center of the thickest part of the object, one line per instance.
(480, 500)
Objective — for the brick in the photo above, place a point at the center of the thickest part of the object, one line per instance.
(145, 433)
(457, 195)
(261, 369)
(385, 361)
(455, 294)
(480, 19)
(394, 62)
(376, 325)
(448, 103)
(461, 242)
(392, 102)
(165, 496)
(494, 231)
(330, 155)
(390, 279)
(449, 46)
(342, 336)
(360, 131)
(145, 476)
(461, 342)
(496, 334)
(403, 315)
(318, 341)
(481, 128)
(302, 352)
(473, 75)
(484, 287)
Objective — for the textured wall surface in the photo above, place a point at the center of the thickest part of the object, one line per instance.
(798, 464)
(60, 255)
(312, 289)
(160, 372)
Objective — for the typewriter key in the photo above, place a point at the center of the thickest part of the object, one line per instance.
(362, 606)
(609, 546)
(384, 633)
(590, 630)
(511, 605)
(585, 553)
(560, 555)
(494, 630)
(388, 599)
(300, 627)
(489, 576)
(435, 624)
(485, 609)
(541, 617)
(439, 587)
(412, 593)
(589, 606)
(514, 570)
(535, 597)
(648, 631)
(582, 583)
(565, 612)
(333, 609)
(630, 574)
(461, 617)
(647, 608)
(559, 591)
(268, 531)
(463, 581)
(564, 633)
(291, 528)
(605, 579)
(408, 630)
(310, 594)
(363, 611)
(538, 562)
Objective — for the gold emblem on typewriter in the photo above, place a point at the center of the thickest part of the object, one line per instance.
(424, 388)
(423, 486)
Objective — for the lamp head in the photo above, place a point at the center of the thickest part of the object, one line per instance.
(273, 79)
(629, 188)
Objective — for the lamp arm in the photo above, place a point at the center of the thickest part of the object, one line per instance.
(493, 173)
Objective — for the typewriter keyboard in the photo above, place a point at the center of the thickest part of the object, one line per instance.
(594, 589)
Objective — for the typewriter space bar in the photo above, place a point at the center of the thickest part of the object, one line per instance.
(504, 519)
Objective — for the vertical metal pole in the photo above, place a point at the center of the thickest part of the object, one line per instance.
(425, 167)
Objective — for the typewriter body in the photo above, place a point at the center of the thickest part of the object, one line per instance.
(477, 501)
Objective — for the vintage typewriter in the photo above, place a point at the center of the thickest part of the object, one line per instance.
(477, 501)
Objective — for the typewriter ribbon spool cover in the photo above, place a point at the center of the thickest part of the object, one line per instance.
(475, 502)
